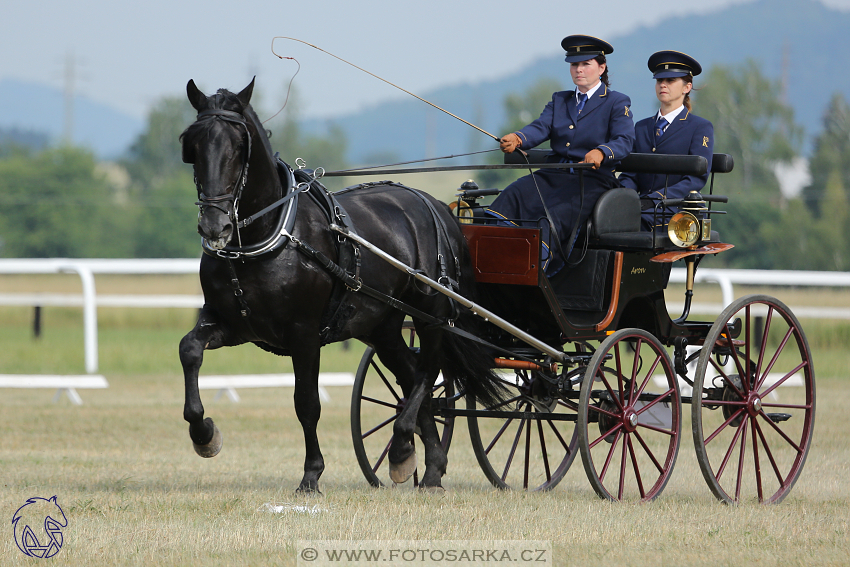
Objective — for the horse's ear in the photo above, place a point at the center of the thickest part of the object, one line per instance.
(196, 97)
(245, 96)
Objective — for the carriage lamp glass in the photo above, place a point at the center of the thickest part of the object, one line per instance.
(684, 229)
(464, 212)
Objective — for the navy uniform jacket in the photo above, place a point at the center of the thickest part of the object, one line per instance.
(688, 134)
(605, 123)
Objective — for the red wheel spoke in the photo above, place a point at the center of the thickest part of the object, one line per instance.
(787, 406)
(606, 412)
(748, 347)
(763, 347)
(635, 367)
(728, 452)
(738, 367)
(635, 467)
(513, 449)
(610, 454)
(384, 380)
(382, 457)
(723, 426)
(757, 427)
(646, 380)
(649, 453)
(543, 450)
(498, 436)
(502, 404)
(741, 459)
(380, 402)
(773, 360)
(655, 401)
(617, 399)
(622, 483)
(619, 365)
(618, 428)
(379, 426)
(784, 378)
(671, 432)
(780, 432)
(757, 465)
(527, 456)
(564, 444)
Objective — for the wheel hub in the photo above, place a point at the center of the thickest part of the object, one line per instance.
(630, 420)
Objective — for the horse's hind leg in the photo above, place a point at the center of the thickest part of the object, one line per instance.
(207, 334)
(417, 411)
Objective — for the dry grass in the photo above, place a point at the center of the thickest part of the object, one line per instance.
(135, 493)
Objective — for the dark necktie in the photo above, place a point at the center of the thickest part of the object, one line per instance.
(582, 98)
(660, 126)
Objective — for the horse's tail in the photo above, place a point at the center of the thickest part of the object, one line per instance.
(470, 364)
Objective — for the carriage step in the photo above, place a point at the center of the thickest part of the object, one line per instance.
(777, 417)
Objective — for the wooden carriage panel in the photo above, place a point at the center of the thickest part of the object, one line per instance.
(504, 254)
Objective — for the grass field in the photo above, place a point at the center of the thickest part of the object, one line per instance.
(134, 492)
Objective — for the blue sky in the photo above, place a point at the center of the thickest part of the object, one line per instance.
(129, 55)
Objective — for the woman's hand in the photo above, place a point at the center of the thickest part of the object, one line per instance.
(594, 156)
(510, 142)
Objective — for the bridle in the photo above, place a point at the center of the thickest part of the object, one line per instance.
(220, 202)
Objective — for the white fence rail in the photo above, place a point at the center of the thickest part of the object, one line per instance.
(89, 300)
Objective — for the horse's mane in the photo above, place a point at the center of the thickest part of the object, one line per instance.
(223, 99)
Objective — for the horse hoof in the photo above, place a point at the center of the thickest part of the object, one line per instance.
(401, 472)
(308, 492)
(436, 490)
(212, 448)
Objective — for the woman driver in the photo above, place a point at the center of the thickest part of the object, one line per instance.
(674, 129)
(591, 124)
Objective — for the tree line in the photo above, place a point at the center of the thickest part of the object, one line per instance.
(59, 201)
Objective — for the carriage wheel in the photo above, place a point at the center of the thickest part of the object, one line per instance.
(750, 435)
(376, 401)
(629, 417)
(532, 449)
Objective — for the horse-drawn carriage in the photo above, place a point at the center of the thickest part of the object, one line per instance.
(589, 361)
(617, 395)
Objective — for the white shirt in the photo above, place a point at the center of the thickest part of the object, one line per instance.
(590, 92)
(670, 116)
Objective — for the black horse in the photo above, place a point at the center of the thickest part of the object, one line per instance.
(291, 285)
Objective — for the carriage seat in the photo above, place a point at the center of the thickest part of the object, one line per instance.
(615, 222)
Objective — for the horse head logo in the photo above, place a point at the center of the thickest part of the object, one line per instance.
(38, 527)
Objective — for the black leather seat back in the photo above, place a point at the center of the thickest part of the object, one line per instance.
(617, 210)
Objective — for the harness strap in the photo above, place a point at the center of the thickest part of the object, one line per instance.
(355, 285)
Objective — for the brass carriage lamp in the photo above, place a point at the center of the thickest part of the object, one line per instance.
(690, 224)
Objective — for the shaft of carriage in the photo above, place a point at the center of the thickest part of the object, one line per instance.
(474, 308)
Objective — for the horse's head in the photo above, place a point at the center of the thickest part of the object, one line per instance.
(218, 144)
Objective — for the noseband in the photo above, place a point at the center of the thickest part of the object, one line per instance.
(219, 201)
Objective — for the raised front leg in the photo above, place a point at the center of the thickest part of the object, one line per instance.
(308, 408)
(207, 334)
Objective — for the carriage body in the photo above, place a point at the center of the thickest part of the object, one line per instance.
(629, 369)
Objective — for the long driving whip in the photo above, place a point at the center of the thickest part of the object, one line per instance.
(384, 80)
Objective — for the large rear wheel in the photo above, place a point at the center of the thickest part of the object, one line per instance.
(753, 401)
(629, 417)
(376, 402)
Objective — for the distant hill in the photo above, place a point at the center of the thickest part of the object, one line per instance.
(815, 38)
(39, 108)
